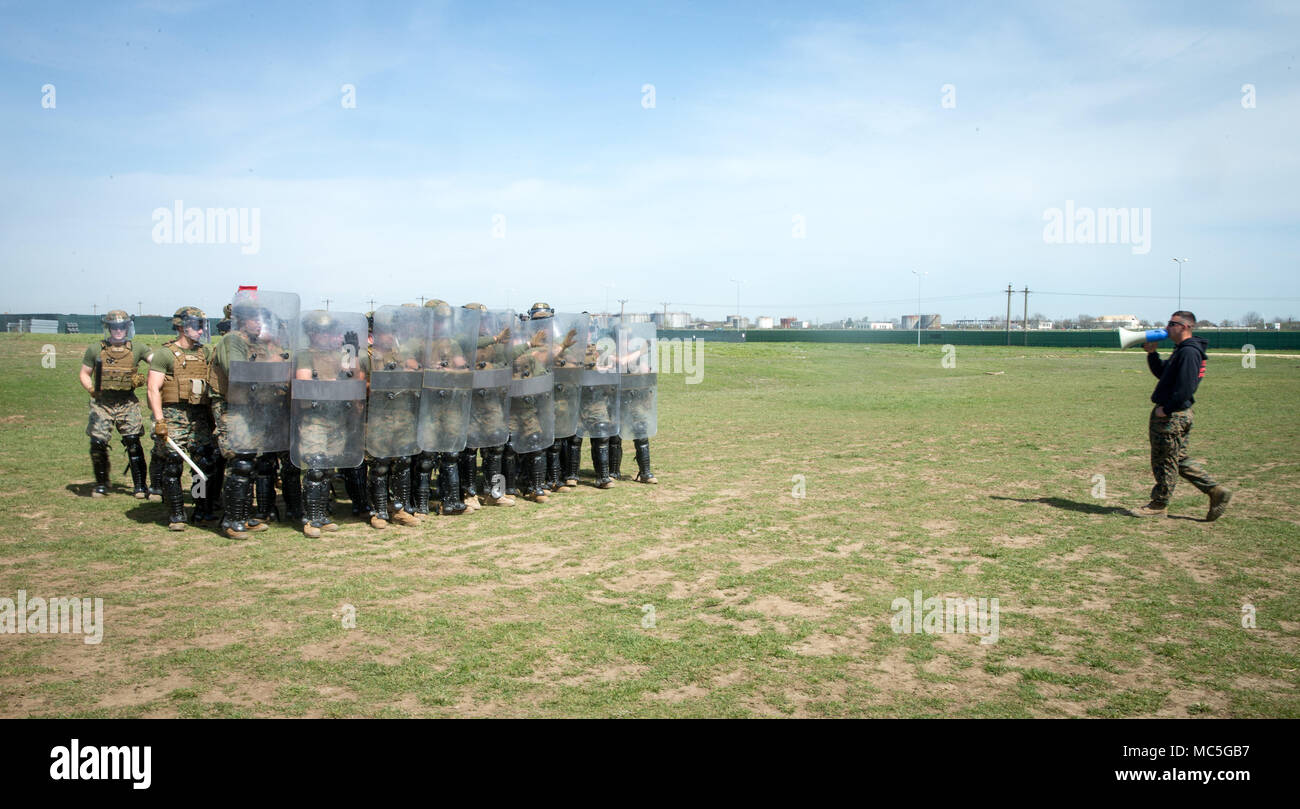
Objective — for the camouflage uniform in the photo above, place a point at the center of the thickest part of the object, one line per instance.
(390, 479)
(1169, 459)
(185, 402)
(114, 403)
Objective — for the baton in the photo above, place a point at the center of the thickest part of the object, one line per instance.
(186, 458)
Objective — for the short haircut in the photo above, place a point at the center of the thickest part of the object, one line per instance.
(1185, 315)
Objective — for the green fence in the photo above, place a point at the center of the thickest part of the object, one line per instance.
(1232, 339)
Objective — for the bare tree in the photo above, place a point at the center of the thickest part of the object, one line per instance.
(1252, 319)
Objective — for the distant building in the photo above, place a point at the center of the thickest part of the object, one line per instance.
(671, 320)
(737, 322)
(764, 322)
(881, 324)
(1119, 321)
(789, 322)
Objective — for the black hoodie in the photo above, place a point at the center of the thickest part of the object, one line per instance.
(1179, 375)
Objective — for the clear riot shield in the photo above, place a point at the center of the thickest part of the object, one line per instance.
(448, 379)
(532, 403)
(490, 395)
(569, 338)
(327, 416)
(258, 353)
(397, 360)
(598, 410)
(638, 365)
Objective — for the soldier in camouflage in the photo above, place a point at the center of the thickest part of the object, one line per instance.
(178, 398)
(110, 374)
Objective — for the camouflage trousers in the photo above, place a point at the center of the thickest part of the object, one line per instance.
(109, 411)
(1169, 459)
(240, 428)
(487, 417)
(637, 418)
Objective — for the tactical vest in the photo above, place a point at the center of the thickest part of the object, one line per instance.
(116, 369)
(188, 381)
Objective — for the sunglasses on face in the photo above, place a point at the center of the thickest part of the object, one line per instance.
(1173, 323)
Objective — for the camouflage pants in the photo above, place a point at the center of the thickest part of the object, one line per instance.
(487, 416)
(442, 422)
(638, 416)
(109, 411)
(1169, 459)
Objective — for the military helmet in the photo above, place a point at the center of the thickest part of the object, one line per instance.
(188, 313)
(225, 310)
(432, 302)
(117, 316)
(540, 310)
(440, 307)
(318, 321)
(477, 306)
(118, 319)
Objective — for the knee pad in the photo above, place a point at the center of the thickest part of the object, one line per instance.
(315, 475)
(242, 466)
(426, 462)
(265, 465)
(131, 442)
(99, 444)
(380, 467)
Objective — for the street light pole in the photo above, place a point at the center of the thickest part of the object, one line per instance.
(918, 305)
(737, 283)
(1181, 262)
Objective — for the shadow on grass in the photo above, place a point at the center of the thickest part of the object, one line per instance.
(1086, 508)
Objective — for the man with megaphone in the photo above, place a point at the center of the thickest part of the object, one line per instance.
(1171, 419)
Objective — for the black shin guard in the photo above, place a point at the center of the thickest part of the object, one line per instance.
(173, 496)
(99, 463)
(552, 462)
(600, 460)
(642, 448)
(399, 483)
(538, 482)
(467, 473)
(315, 495)
(616, 457)
(157, 460)
(510, 470)
(237, 494)
(493, 481)
(421, 488)
(206, 460)
(449, 483)
(291, 484)
(139, 469)
(354, 480)
(379, 489)
(572, 460)
(264, 507)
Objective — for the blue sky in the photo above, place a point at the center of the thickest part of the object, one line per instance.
(763, 113)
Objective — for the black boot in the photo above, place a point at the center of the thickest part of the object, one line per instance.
(99, 463)
(642, 448)
(237, 497)
(173, 495)
(379, 515)
(616, 457)
(532, 476)
(264, 508)
(600, 460)
(510, 470)
(572, 460)
(139, 469)
(291, 485)
(354, 480)
(422, 469)
(449, 483)
(217, 481)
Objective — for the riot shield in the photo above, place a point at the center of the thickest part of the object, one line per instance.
(532, 403)
(397, 360)
(569, 338)
(448, 379)
(258, 352)
(598, 410)
(490, 397)
(327, 417)
(638, 365)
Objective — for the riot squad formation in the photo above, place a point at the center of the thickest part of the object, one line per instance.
(414, 409)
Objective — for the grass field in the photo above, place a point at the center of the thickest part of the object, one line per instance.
(972, 481)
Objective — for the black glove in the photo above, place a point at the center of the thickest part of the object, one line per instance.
(351, 339)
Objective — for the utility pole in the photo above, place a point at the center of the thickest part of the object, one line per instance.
(621, 302)
(422, 300)
(372, 304)
(1025, 323)
(327, 304)
(664, 323)
(94, 308)
(139, 308)
(1008, 314)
